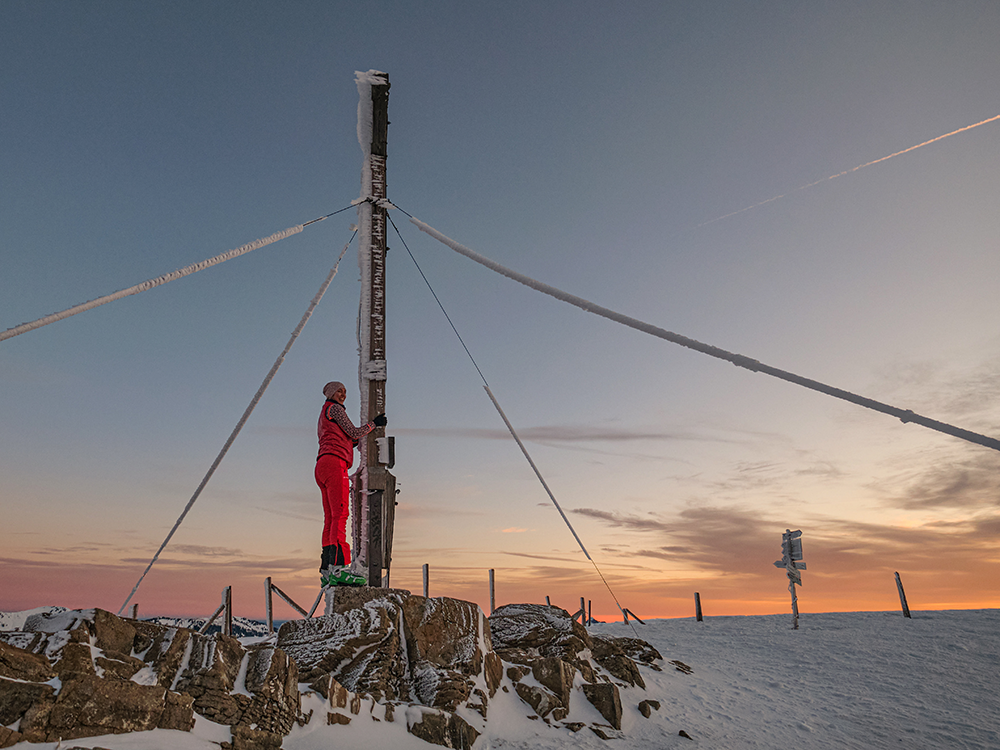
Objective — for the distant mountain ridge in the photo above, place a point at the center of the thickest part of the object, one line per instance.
(242, 626)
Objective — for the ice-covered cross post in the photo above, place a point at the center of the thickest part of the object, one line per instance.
(791, 561)
(373, 498)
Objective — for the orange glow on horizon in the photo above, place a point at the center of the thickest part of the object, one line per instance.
(174, 593)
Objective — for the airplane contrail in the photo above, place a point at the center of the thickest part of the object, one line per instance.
(849, 171)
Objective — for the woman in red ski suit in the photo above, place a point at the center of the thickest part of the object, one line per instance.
(337, 438)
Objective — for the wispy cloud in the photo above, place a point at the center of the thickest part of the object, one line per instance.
(78, 549)
(624, 521)
(311, 517)
(966, 480)
(430, 511)
(971, 394)
(203, 551)
(551, 558)
(735, 541)
(596, 440)
(567, 434)
(709, 538)
(261, 566)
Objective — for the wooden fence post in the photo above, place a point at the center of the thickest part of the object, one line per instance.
(229, 611)
(222, 608)
(697, 607)
(427, 580)
(902, 597)
(316, 602)
(547, 602)
(634, 616)
(291, 603)
(135, 611)
(267, 605)
(590, 613)
(493, 601)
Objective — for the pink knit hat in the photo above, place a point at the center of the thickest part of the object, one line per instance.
(332, 387)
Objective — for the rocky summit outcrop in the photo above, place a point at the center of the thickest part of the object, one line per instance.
(435, 664)
(395, 648)
(555, 650)
(83, 673)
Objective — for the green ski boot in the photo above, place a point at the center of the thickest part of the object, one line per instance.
(341, 575)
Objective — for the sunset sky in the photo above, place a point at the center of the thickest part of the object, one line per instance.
(607, 149)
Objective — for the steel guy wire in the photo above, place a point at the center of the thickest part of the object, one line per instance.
(511, 429)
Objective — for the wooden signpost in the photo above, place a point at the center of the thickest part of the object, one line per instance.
(791, 556)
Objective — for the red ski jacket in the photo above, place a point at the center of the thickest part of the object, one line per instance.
(337, 435)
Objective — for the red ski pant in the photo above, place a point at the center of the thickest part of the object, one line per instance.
(331, 476)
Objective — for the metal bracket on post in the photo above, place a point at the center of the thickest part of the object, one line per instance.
(375, 538)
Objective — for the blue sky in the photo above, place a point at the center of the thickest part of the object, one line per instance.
(588, 145)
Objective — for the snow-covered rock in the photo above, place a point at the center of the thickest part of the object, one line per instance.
(446, 661)
(10, 621)
(434, 665)
(82, 673)
(394, 648)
